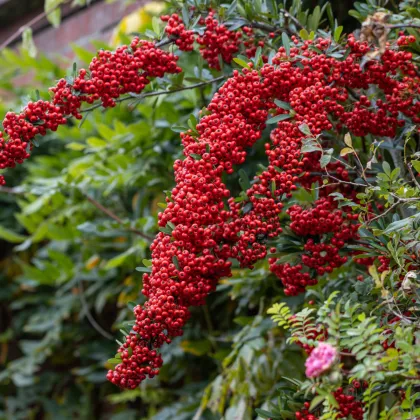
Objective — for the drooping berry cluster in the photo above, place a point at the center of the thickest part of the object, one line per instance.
(204, 228)
(325, 230)
(208, 227)
(110, 75)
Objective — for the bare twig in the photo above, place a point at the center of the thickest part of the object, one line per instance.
(89, 315)
(412, 175)
(403, 25)
(14, 191)
(292, 18)
(164, 92)
(112, 215)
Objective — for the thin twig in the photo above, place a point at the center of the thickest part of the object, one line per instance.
(292, 18)
(412, 175)
(164, 92)
(14, 191)
(403, 25)
(112, 215)
(399, 201)
(32, 22)
(89, 315)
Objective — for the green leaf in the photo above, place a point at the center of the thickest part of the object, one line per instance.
(346, 151)
(241, 62)
(325, 160)
(316, 401)
(244, 180)
(53, 12)
(146, 262)
(28, 43)
(387, 168)
(337, 33)
(305, 129)
(175, 261)
(273, 188)
(81, 53)
(416, 165)
(283, 105)
(195, 156)
(286, 42)
(11, 236)
(144, 269)
(278, 118)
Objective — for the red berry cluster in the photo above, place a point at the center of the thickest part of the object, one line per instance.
(203, 227)
(184, 38)
(349, 406)
(11, 152)
(112, 74)
(304, 413)
(208, 227)
(404, 40)
(325, 230)
(218, 40)
(128, 69)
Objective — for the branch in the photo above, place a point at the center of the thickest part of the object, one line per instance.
(399, 201)
(164, 92)
(403, 25)
(292, 18)
(32, 22)
(112, 215)
(89, 315)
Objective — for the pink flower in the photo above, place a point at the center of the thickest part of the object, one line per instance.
(320, 360)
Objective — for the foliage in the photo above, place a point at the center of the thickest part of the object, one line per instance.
(85, 207)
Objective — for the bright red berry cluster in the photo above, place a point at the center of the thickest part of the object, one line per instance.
(203, 227)
(218, 40)
(184, 38)
(110, 75)
(349, 406)
(304, 413)
(208, 227)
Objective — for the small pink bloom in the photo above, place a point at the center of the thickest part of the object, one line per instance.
(320, 360)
